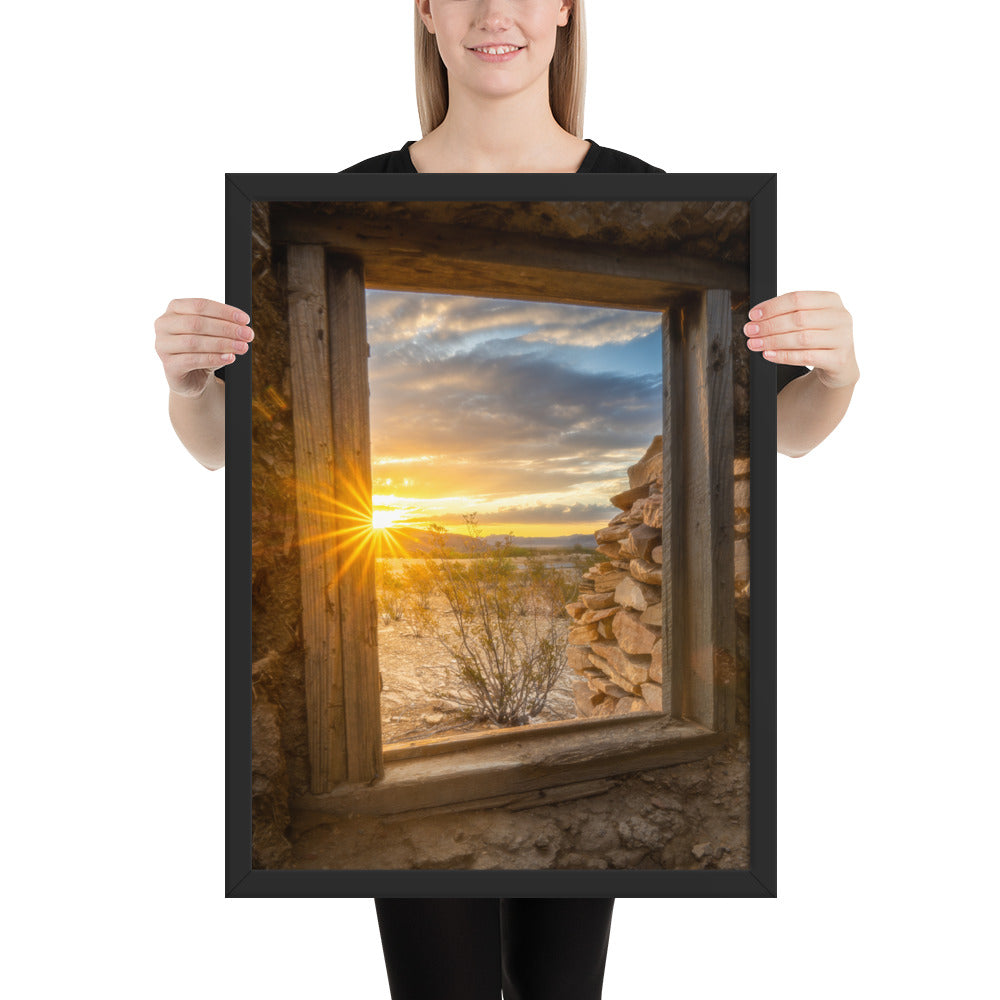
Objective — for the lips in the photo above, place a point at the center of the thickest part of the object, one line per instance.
(496, 53)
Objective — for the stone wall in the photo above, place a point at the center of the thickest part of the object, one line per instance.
(616, 641)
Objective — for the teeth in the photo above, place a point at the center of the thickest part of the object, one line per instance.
(499, 49)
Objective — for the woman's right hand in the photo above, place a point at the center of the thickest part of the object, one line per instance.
(196, 336)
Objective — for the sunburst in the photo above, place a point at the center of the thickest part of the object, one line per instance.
(383, 518)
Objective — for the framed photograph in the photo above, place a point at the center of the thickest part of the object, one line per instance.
(489, 540)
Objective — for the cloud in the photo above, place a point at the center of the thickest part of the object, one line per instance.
(399, 317)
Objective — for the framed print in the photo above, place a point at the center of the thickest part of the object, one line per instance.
(489, 536)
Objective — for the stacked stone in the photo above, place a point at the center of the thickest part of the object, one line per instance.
(615, 641)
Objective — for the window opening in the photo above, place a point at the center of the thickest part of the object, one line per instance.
(500, 432)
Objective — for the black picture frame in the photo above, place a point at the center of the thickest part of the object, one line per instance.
(759, 880)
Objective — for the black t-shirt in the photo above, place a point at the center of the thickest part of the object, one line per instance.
(599, 160)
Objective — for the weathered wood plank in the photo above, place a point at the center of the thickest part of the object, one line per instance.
(465, 260)
(708, 501)
(470, 776)
(722, 448)
(431, 746)
(352, 484)
(674, 633)
(314, 449)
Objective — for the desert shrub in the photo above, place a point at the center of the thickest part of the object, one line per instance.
(419, 583)
(390, 594)
(507, 642)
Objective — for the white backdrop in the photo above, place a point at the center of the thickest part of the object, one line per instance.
(121, 120)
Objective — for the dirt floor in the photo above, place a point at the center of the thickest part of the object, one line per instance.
(688, 816)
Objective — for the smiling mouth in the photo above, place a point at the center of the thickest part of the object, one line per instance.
(496, 50)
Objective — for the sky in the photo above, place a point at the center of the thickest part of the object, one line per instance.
(526, 413)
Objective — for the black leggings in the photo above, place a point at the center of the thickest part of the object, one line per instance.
(467, 949)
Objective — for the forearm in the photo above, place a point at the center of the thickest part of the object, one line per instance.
(808, 411)
(200, 423)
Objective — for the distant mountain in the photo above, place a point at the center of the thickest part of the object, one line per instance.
(405, 541)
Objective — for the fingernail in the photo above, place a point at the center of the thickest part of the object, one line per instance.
(240, 317)
(752, 328)
(756, 313)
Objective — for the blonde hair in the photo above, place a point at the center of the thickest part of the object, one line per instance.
(567, 74)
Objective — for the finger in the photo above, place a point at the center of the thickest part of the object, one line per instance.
(792, 301)
(801, 340)
(208, 307)
(192, 344)
(816, 357)
(180, 364)
(800, 319)
(174, 324)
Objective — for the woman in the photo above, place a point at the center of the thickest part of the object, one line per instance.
(500, 86)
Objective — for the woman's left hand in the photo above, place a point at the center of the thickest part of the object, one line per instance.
(806, 328)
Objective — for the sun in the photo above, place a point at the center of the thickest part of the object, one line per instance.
(384, 518)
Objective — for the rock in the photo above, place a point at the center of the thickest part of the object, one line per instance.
(702, 850)
(636, 595)
(609, 549)
(670, 803)
(598, 615)
(434, 718)
(598, 601)
(623, 501)
(634, 669)
(599, 569)
(578, 658)
(576, 609)
(653, 615)
(612, 533)
(582, 635)
(605, 628)
(652, 513)
(635, 511)
(657, 554)
(635, 831)
(652, 694)
(632, 635)
(583, 698)
(446, 705)
(610, 689)
(656, 661)
(608, 675)
(646, 572)
(649, 467)
(610, 582)
(640, 542)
